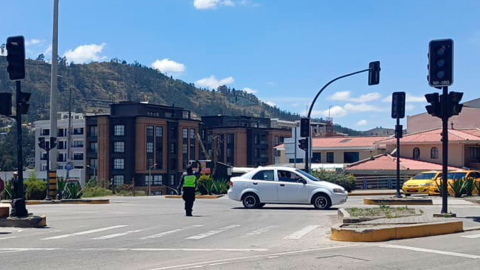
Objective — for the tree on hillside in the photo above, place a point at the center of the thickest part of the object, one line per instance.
(41, 57)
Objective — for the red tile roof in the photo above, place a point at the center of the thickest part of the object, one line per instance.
(434, 136)
(386, 162)
(345, 142)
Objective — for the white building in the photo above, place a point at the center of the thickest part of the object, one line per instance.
(75, 154)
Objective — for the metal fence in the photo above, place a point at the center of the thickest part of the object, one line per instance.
(379, 182)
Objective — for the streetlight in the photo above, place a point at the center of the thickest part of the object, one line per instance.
(150, 177)
(94, 171)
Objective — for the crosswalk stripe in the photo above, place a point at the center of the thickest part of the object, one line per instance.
(213, 232)
(302, 232)
(84, 232)
(110, 236)
(471, 236)
(158, 235)
(260, 231)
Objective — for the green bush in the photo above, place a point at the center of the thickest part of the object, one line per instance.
(468, 186)
(347, 181)
(91, 183)
(458, 187)
(205, 185)
(9, 192)
(35, 189)
(96, 191)
(73, 190)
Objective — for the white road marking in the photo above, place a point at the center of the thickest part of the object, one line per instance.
(213, 232)
(302, 232)
(433, 251)
(260, 231)
(138, 249)
(158, 235)
(110, 236)
(471, 236)
(249, 257)
(8, 237)
(85, 232)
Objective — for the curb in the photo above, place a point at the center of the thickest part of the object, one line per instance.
(65, 201)
(196, 196)
(342, 233)
(372, 194)
(398, 201)
(25, 222)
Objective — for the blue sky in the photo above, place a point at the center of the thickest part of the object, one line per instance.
(283, 51)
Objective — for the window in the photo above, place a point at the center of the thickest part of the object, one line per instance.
(149, 147)
(119, 130)
(93, 163)
(287, 176)
(77, 144)
(230, 138)
(159, 132)
(192, 133)
(78, 156)
(118, 180)
(77, 131)
(119, 147)
(172, 148)
(416, 153)
(172, 180)
(256, 139)
(330, 157)
(148, 180)
(149, 131)
(93, 131)
(264, 175)
(157, 180)
(94, 147)
(45, 132)
(434, 153)
(150, 163)
(474, 154)
(316, 157)
(119, 163)
(184, 148)
(350, 157)
(185, 133)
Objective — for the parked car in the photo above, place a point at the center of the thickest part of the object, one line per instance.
(420, 183)
(459, 175)
(284, 185)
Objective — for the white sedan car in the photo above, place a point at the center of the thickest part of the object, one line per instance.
(284, 185)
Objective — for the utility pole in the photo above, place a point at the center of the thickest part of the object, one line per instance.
(69, 131)
(54, 86)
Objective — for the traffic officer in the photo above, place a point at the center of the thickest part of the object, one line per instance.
(189, 183)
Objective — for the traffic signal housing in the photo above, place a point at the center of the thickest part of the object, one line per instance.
(16, 57)
(6, 104)
(303, 144)
(41, 143)
(305, 127)
(440, 62)
(374, 73)
(22, 102)
(454, 106)
(398, 105)
(53, 142)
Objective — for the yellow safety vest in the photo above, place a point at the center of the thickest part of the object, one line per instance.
(189, 180)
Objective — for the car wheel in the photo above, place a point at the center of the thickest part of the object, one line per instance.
(250, 201)
(260, 205)
(322, 201)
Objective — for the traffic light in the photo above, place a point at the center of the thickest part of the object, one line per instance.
(22, 103)
(434, 108)
(305, 127)
(398, 105)
(53, 142)
(41, 143)
(16, 57)
(454, 106)
(6, 104)
(440, 62)
(374, 73)
(303, 144)
(398, 131)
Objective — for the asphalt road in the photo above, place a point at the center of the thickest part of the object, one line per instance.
(153, 233)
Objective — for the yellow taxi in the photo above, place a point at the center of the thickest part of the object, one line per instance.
(458, 175)
(420, 183)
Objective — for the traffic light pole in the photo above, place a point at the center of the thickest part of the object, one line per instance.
(18, 204)
(444, 107)
(307, 150)
(398, 159)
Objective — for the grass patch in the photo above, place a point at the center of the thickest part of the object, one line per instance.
(96, 191)
(383, 211)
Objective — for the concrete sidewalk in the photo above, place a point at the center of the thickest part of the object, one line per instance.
(373, 192)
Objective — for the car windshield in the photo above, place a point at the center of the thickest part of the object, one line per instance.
(459, 175)
(424, 176)
(309, 176)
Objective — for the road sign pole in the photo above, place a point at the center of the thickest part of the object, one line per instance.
(445, 150)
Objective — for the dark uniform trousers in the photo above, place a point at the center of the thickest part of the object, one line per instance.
(189, 197)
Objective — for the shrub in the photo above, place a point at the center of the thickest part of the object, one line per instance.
(73, 190)
(35, 189)
(475, 183)
(91, 183)
(96, 191)
(347, 181)
(468, 186)
(205, 185)
(9, 192)
(457, 187)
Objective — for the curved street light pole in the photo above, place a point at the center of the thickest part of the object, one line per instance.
(309, 144)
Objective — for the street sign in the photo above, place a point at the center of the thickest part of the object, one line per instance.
(68, 167)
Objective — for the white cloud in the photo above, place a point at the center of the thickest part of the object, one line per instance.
(339, 111)
(270, 103)
(346, 96)
(409, 98)
(361, 123)
(212, 82)
(212, 4)
(166, 65)
(335, 111)
(249, 90)
(409, 107)
(249, 3)
(86, 53)
(362, 107)
(32, 42)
